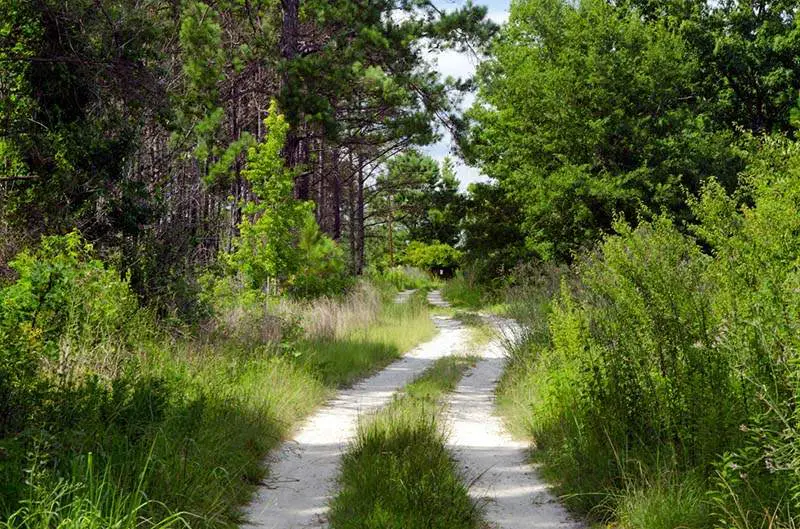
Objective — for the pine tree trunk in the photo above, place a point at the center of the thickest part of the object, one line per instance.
(360, 236)
(288, 45)
(336, 199)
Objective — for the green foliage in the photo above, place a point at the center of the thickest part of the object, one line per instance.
(494, 242)
(198, 107)
(669, 374)
(464, 291)
(88, 443)
(65, 154)
(402, 277)
(323, 270)
(422, 197)
(62, 294)
(279, 240)
(589, 109)
(398, 473)
(760, 42)
(431, 256)
(266, 248)
(755, 271)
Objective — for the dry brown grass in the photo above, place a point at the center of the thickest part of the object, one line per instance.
(269, 320)
(327, 318)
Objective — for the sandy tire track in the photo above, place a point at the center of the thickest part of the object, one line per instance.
(303, 470)
(491, 460)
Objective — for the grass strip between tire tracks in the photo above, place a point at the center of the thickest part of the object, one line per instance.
(398, 472)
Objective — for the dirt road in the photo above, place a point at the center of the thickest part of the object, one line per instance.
(304, 469)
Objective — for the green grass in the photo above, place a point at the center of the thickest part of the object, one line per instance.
(180, 434)
(462, 293)
(398, 473)
(101, 505)
(481, 332)
(364, 350)
(602, 483)
(669, 503)
(537, 399)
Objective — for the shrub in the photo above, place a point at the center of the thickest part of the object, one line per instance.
(431, 256)
(757, 294)
(674, 356)
(322, 270)
(62, 296)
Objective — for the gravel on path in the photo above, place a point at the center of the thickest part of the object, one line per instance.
(435, 298)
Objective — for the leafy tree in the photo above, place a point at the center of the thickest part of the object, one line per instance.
(589, 109)
(280, 242)
(79, 75)
(432, 256)
(494, 242)
(754, 59)
(266, 248)
(424, 197)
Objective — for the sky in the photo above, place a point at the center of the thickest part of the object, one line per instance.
(462, 65)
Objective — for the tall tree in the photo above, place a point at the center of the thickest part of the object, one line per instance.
(590, 109)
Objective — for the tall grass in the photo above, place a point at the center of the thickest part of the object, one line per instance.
(462, 291)
(368, 342)
(125, 424)
(660, 383)
(91, 502)
(403, 278)
(329, 318)
(398, 473)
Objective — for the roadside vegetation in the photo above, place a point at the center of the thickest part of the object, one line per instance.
(110, 417)
(659, 380)
(206, 209)
(398, 472)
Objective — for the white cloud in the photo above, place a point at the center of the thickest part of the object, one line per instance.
(498, 17)
(454, 64)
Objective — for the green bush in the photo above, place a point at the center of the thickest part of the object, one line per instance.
(322, 270)
(62, 295)
(431, 256)
(678, 356)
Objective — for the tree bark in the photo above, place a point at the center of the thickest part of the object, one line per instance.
(359, 218)
(289, 47)
(336, 199)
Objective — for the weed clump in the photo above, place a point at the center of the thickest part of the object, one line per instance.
(398, 472)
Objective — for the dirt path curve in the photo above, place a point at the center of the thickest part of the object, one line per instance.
(303, 470)
(515, 497)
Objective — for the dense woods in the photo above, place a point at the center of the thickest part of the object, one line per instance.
(206, 208)
(131, 121)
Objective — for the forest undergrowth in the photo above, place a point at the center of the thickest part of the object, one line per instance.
(112, 417)
(659, 376)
